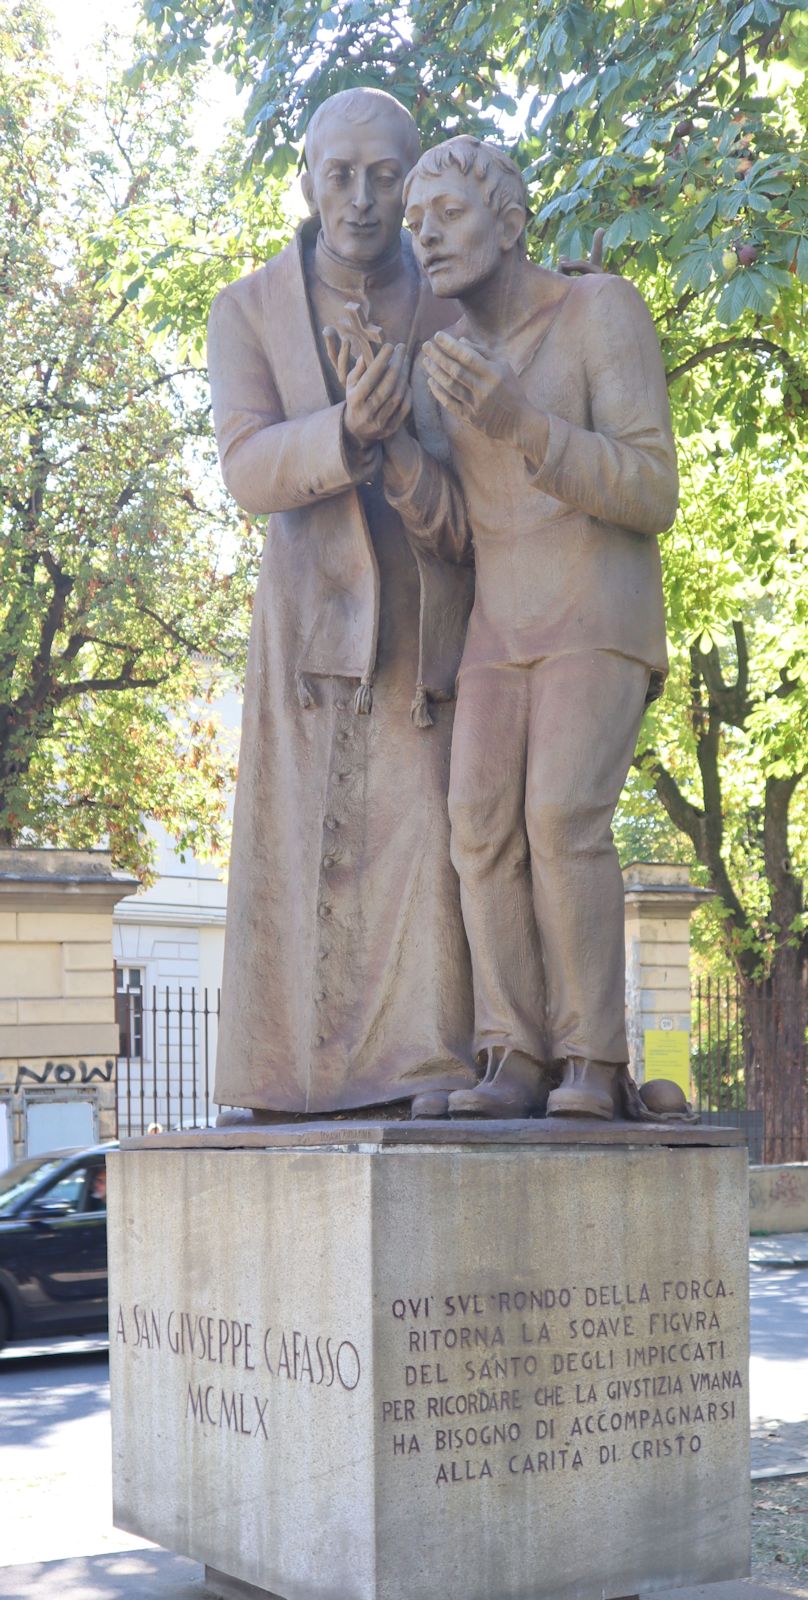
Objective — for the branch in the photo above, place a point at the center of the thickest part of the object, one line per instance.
(683, 814)
(742, 342)
(728, 700)
(70, 691)
(786, 887)
(742, 656)
(786, 686)
(168, 628)
(41, 681)
(700, 828)
(78, 640)
(715, 72)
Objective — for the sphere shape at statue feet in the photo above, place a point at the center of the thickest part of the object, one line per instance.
(662, 1095)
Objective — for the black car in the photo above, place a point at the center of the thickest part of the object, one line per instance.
(53, 1244)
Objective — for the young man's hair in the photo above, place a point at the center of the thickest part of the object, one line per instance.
(362, 105)
(500, 178)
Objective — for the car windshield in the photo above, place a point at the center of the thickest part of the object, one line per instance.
(23, 1177)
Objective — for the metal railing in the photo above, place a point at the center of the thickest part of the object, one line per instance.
(749, 1077)
(165, 1073)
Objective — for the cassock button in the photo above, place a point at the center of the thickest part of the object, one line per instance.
(320, 1040)
(330, 823)
(328, 861)
(340, 705)
(324, 910)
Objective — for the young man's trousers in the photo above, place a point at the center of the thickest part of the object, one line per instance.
(539, 757)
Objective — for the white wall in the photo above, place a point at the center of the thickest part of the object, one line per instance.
(173, 934)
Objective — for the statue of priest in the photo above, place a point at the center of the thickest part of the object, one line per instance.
(346, 976)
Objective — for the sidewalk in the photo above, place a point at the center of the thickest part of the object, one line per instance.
(155, 1575)
(778, 1366)
(779, 1250)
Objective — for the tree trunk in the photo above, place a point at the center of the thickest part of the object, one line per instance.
(774, 1041)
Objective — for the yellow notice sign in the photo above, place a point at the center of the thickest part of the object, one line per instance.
(667, 1055)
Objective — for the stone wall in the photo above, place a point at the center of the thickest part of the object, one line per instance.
(778, 1199)
(58, 1036)
(660, 900)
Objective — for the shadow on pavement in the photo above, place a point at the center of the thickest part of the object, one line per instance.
(32, 1407)
(135, 1575)
(779, 1446)
(779, 1314)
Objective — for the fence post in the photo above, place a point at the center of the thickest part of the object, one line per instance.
(660, 900)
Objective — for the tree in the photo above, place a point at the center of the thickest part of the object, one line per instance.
(679, 128)
(123, 585)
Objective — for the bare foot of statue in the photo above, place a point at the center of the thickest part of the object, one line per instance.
(515, 1086)
(587, 1089)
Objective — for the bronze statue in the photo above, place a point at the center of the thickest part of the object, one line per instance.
(346, 979)
(562, 472)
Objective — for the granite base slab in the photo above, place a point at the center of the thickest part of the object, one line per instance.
(359, 1367)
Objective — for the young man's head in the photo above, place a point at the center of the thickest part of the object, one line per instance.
(466, 206)
(360, 146)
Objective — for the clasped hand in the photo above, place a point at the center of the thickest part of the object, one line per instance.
(377, 397)
(482, 391)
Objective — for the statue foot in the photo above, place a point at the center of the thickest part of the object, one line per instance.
(517, 1088)
(587, 1089)
(432, 1103)
(245, 1117)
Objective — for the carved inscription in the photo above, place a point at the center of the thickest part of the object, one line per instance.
(227, 1398)
(522, 1382)
(504, 1384)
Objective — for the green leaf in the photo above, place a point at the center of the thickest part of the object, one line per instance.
(641, 223)
(618, 231)
(733, 300)
(705, 57)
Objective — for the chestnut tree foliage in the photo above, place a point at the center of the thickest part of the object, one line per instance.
(124, 579)
(679, 127)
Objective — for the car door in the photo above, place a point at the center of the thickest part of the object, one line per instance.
(67, 1249)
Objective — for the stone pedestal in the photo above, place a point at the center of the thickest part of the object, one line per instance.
(395, 1361)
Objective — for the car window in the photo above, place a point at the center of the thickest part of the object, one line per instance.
(68, 1191)
(24, 1176)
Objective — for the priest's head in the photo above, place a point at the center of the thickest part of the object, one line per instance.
(360, 146)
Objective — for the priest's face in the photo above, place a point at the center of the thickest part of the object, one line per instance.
(356, 185)
(458, 240)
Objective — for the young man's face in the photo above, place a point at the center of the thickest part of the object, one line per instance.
(356, 185)
(457, 238)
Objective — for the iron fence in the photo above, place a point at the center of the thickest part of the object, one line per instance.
(748, 1076)
(168, 1050)
(168, 1047)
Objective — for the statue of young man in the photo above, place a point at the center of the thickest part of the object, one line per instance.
(554, 402)
(346, 977)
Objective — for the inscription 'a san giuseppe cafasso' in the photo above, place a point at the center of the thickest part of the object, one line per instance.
(237, 1348)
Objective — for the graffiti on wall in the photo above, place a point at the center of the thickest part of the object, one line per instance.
(64, 1072)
